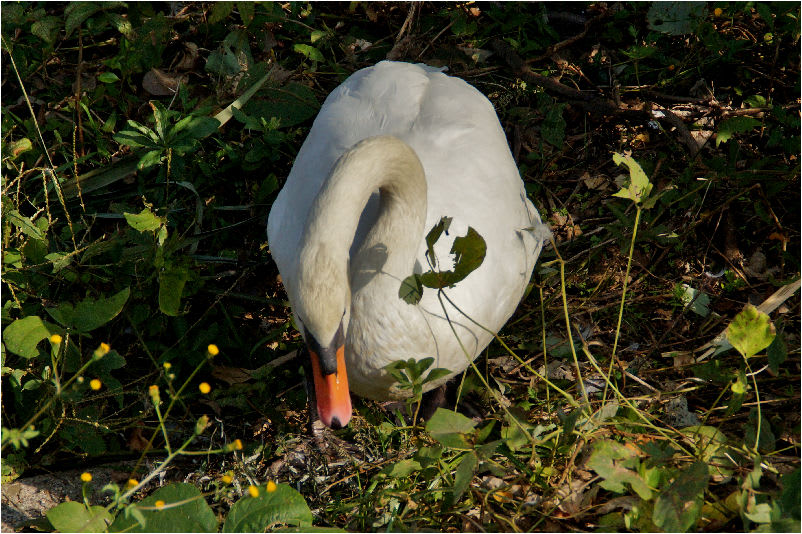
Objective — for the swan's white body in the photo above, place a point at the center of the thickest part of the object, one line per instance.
(470, 176)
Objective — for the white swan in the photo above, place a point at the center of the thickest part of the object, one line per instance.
(394, 148)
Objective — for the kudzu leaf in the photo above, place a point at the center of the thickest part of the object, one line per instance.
(171, 286)
(678, 506)
(750, 332)
(185, 510)
(734, 125)
(75, 517)
(22, 336)
(469, 251)
(411, 289)
(433, 235)
(144, 221)
(254, 514)
(639, 186)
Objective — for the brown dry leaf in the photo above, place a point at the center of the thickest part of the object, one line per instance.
(137, 441)
(188, 58)
(232, 375)
(159, 83)
(597, 182)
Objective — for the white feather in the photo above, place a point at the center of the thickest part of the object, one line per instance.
(470, 176)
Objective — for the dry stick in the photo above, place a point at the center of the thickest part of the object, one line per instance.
(568, 42)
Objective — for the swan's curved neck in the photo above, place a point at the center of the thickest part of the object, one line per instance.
(390, 166)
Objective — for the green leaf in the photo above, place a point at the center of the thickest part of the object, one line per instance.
(90, 314)
(201, 127)
(108, 77)
(401, 469)
(777, 353)
(150, 158)
(615, 463)
(24, 224)
(185, 510)
(675, 18)
(462, 478)
(434, 235)
(137, 136)
(20, 146)
(449, 427)
(309, 51)
(246, 10)
(411, 289)
(77, 12)
(790, 496)
(750, 332)
(256, 514)
(75, 517)
(678, 506)
(512, 432)
(738, 388)
(22, 336)
(59, 260)
(46, 29)
(291, 105)
(639, 186)
(220, 10)
(734, 125)
(171, 285)
(469, 251)
(144, 221)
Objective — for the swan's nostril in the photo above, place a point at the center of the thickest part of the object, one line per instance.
(335, 423)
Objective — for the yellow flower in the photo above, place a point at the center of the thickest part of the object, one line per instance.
(86, 477)
(271, 486)
(237, 444)
(95, 384)
(227, 479)
(154, 394)
(253, 491)
(55, 339)
(213, 350)
(105, 347)
(132, 482)
(159, 504)
(718, 11)
(204, 387)
(167, 366)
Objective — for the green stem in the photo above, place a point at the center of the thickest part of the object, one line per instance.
(623, 295)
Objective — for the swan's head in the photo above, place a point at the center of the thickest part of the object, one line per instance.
(323, 306)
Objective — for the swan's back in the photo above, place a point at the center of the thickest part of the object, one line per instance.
(471, 177)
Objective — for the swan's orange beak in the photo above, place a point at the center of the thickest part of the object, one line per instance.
(331, 384)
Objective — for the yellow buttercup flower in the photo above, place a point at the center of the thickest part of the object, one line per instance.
(95, 384)
(238, 444)
(86, 477)
(271, 486)
(227, 479)
(213, 350)
(132, 483)
(253, 491)
(55, 339)
(204, 387)
(159, 504)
